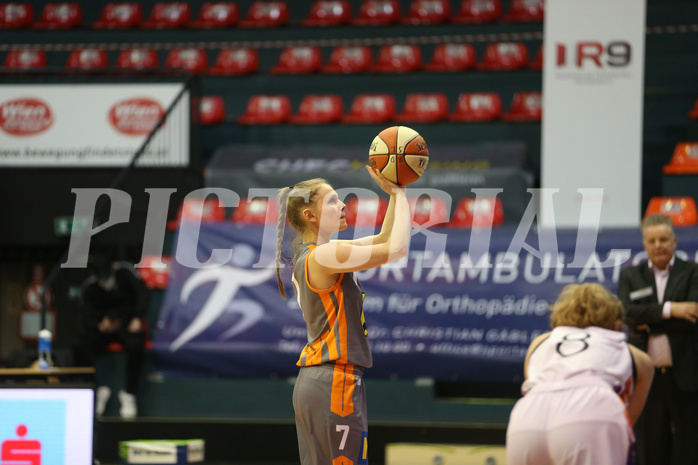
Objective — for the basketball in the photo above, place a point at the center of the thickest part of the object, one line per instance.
(400, 154)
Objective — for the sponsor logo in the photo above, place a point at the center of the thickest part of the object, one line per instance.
(21, 450)
(25, 116)
(593, 54)
(136, 116)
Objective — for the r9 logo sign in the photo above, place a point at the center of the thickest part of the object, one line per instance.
(615, 54)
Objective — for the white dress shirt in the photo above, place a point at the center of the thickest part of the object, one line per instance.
(658, 346)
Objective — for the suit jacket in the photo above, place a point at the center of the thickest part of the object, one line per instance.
(638, 292)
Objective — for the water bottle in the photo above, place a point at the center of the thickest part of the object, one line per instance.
(44, 349)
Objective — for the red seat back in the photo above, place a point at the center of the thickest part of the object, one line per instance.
(258, 210)
(398, 59)
(319, 109)
(298, 60)
(120, 16)
(87, 58)
(684, 160)
(485, 212)
(371, 108)
(505, 56)
(694, 111)
(152, 273)
(137, 58)
(525, 11)
(452, 58)
(349, 60)
(231, 61)
(378, 13)
(169, 15)
(365, 211)
(208, 210)
(478, 11)
(328, 13)
(266, 14)
(432, 210)
(424, 108)
(211, 110)
(537, 62)
(25, 59)
(193, 60)
(477, 106)
(525, 106)
(217, 15)
(60, 16)
(16, 15)
(428, 12)
(267, 109)
(682, 210)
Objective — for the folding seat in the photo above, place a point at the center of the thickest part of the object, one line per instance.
(60, 16)
(319, 109)
(525, 106)
(211, 110)
(371, 108)
(682, 210)
(398, 59)
(168, 15)
(478, 11)
(328, 13)
(208, 210)
(267, 109)
(452, 58)
(87, 58)
(231, 61)
(25, 59)
(504, 56)
(217, 15)
(16, 15)
(365, 211)
(120, 16)
(537, 62)
(298, 60)
(428, 12)
(266, 14)
(694, 111)
(684, 160)
(477, 107)
(525, 11)
(152, 271)
(349, 60)
(426, 209)
(194, 60)
(257, 210)
(378, 13)
(137, 58)
(485, 212)
(424, 108)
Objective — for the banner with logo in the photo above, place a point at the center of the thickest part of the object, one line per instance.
(463, 306)
(90, 125)
(593, 107)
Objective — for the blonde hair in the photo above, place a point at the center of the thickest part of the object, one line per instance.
(294, 198)
(588, 304)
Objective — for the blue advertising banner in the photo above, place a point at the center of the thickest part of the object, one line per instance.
(463, 306)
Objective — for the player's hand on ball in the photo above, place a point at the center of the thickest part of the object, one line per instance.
(387, 186)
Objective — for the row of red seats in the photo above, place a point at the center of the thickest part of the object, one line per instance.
(501, 56)
(169, 15)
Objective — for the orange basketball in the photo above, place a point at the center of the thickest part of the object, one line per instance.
(400, 154)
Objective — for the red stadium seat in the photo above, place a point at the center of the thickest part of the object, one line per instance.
(60, 16)
(349, 60)
(478, 11)
(267, 109)
(192, 209)
(232, 61)
(16, 15)
(426, 209)
(378, 13)
(504, 56)
(365, 211)
(169, 15)
(258, 210)
(120, 16)
(319, 109)
(137, 58)
(153, 275)
(424, 108)
(452, 58)
(485, 212)
(266, 14)
(298, 60)
(694, 111)
(398, 59)
(525, 11)
(25, 59)
(525, 106)
(328, 13)
(193, 60)
(371, 108)
(682, 210)
(477, 107)
(684, 160)
(428, 12)
(537, 62)
(211, 110)
(87, 58)
(217, 15)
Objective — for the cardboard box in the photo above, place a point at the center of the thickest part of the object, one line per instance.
(162, 452)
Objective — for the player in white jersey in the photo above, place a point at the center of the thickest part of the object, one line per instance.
(584, 388)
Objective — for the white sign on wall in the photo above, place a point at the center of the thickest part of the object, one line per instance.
(69, 125)
(592, 111)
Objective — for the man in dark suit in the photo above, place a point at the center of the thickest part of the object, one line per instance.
(660, 297)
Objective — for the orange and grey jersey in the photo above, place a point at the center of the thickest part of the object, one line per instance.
(334, 317)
